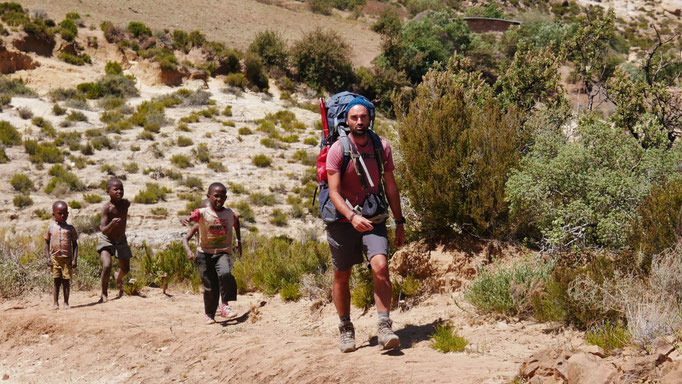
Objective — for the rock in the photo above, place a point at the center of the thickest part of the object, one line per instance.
(662, 347)
(30, 43)
(69, 48)
(11, 62)
(594, 350)
(584, 367)
(672, 373)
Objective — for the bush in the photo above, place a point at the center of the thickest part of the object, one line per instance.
(184, 141)
(237, 80)
(92, 198)
(69, 30)
(138, 29)
(25, 113)
(245, 212)
(79, 60)
(458, 147)
(3, 156)
(581, 192)
(113, 68)
(362, 288)
(658, 224)
(160, 211)
(43, 152)
(75, 204)
(322, 59)
(279, 218)
(216, 166)
(151, 194)
(9, 135)
(261, 199)
(261, 161)
(193, 182)
(76, 116)
(13, 87)
(181, 161)
(271, 48)
(63, 180)
(22, 183)
(169, 266)
(57, 110)
(608, 337)
(508, 290)
(22, 201)
(245, 131)
(445, 340)
(276, 263)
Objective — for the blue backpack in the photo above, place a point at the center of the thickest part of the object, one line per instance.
(335, 112)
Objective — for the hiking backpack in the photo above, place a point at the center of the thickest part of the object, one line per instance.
(334, 128)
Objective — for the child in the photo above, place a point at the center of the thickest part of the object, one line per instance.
(213, 252)
(61, 249)
(112, 240)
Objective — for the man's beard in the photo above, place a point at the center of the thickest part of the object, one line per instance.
(359, 131)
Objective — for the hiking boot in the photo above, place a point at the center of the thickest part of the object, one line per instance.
(387, 338)
(347, 331)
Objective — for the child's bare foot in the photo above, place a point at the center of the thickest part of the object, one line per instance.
(55, 306)
(66, 306)
(120, 294)
(103, 299)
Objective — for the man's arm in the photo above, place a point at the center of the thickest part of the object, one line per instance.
(359, 223)
(393, 196)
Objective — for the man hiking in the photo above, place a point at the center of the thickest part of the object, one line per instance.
(360, 188)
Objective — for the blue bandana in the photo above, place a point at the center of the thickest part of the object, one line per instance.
(364, 102)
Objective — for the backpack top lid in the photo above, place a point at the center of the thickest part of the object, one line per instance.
(337, 109)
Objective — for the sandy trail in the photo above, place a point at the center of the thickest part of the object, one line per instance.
(158, 337)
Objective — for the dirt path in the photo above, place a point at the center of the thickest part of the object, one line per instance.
(146, 339)
(233, 22)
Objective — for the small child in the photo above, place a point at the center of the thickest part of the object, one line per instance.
(61, 249)
(112, 240)
(213, 252)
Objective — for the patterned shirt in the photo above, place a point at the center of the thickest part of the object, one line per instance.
(215, 229)
(62, 238)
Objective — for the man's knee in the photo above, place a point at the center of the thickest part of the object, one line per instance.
(341, 277)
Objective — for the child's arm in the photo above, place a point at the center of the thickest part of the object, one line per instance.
(47, 251)
(239, 235)
(105, 225)
(74, 262)
(185, 241)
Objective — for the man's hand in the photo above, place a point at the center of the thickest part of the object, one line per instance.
(361, 224)
(399, 235)
(74, 264)
(190, 255)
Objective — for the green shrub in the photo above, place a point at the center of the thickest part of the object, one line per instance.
(42, 214)
(202, 153)
(658, 224)
(323, 7)
(145, 135)
(608, 337)
(237, 80)
(261, 199)
(63, 180)
(75, 204)
(22, 183)
(193, 182)
(92, 198)
(169, 266)
(254, 72)
(507, 290)
(362, 288)
(271, 264)
(585, 192)
(245, 131)
(184, 141)
(3, 156)
(216, 166)
(79, 60)
(227, 111)
(262, 161)
(14, 87)
(160, 211)
(458, 147)
(43, 152)
(151, 194)
(311, 141)
(245, 212)
(138, 29)
(76, 116)
(113, 68)
(57, 110)
(9, 135)
(279, 218)
(181, 161)
(322, 59)
(87, 225)
(25, 113)
(237, 189)
(109, 85)
(69, 30)
(290, 291)
(22, 201)
(271, 47)
(445, 340)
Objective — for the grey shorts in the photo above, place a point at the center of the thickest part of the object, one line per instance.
(120, 249)
(347, 245)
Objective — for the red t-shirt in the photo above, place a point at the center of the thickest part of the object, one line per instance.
(351, 187)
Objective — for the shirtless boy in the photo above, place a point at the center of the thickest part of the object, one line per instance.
(112, 240)
(61, 250)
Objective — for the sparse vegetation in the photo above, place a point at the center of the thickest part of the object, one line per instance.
(262, 161)
(445, 340)
(22, 183)
(151, 194)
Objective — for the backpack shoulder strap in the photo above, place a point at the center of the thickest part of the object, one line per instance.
(345, 146)
(378, 151)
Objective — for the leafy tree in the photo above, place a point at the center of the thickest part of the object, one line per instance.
(322, 59)
(271, 47)
(584, 189)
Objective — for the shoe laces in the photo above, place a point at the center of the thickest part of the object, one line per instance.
(347, 332)
(385, 326)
